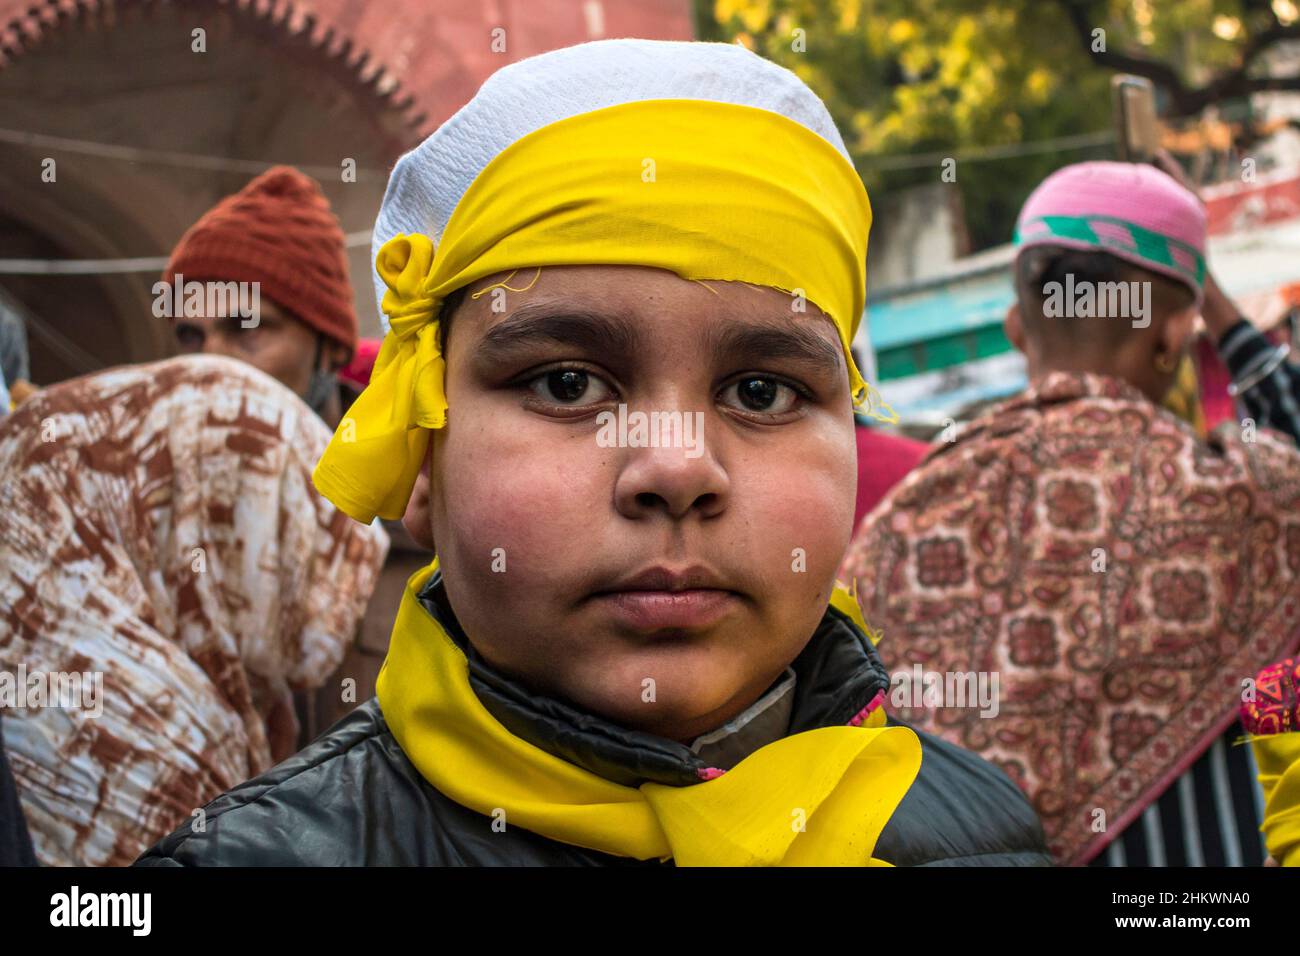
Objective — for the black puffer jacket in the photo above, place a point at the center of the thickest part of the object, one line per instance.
(353, 798)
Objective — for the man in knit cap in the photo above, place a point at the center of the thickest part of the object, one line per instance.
(1121, 575)
(631, 645)
(277, 234)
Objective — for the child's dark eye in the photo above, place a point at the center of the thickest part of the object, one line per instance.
(757, 393)
(570, 386)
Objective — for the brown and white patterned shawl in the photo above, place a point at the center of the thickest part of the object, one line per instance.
(158, 524)
(1112, 681)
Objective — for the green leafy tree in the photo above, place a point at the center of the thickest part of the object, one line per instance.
(1010, 90)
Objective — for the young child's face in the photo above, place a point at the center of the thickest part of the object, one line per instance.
(543, 524)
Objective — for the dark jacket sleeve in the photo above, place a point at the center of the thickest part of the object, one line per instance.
(302, 812)
(961, 811)
(1274, 399)
(15, 843)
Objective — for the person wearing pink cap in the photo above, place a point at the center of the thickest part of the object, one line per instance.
(1109, 274)
(1117, 574)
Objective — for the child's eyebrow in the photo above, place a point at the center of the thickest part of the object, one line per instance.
(734, 341)
(615, 334)
(603, 333)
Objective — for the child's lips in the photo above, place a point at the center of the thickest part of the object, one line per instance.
(661, 610)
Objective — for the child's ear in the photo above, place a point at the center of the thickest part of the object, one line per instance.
(416, 520)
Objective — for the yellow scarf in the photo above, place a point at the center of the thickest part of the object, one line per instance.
(1278, 759)
(706, 190)
(821, 797)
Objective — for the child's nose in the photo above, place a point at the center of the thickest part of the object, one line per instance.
(671, 481)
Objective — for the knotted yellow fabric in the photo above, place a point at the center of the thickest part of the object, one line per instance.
(706, 190)
(821, 797)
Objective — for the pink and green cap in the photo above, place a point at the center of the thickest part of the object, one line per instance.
(1133, 211)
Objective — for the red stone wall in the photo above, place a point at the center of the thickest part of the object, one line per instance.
(434, 52)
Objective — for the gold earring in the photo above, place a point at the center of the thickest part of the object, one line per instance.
(1166, 363)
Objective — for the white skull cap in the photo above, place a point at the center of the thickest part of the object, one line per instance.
(520, 98)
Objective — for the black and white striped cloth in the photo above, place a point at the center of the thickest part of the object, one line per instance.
(1209, 816)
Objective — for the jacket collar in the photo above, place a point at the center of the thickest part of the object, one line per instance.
(838, 676)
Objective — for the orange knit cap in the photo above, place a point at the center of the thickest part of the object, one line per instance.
(278, 231)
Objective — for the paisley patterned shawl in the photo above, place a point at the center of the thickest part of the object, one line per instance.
(1120, 576)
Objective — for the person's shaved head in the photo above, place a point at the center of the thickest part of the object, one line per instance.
(1089, 311)
(1042, 271)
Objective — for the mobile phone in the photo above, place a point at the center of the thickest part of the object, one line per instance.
(1135, 118)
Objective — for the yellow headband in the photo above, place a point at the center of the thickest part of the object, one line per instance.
(706, 190)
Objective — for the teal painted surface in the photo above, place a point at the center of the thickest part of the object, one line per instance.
(940, 327)
(943, 352)
(935, 313)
